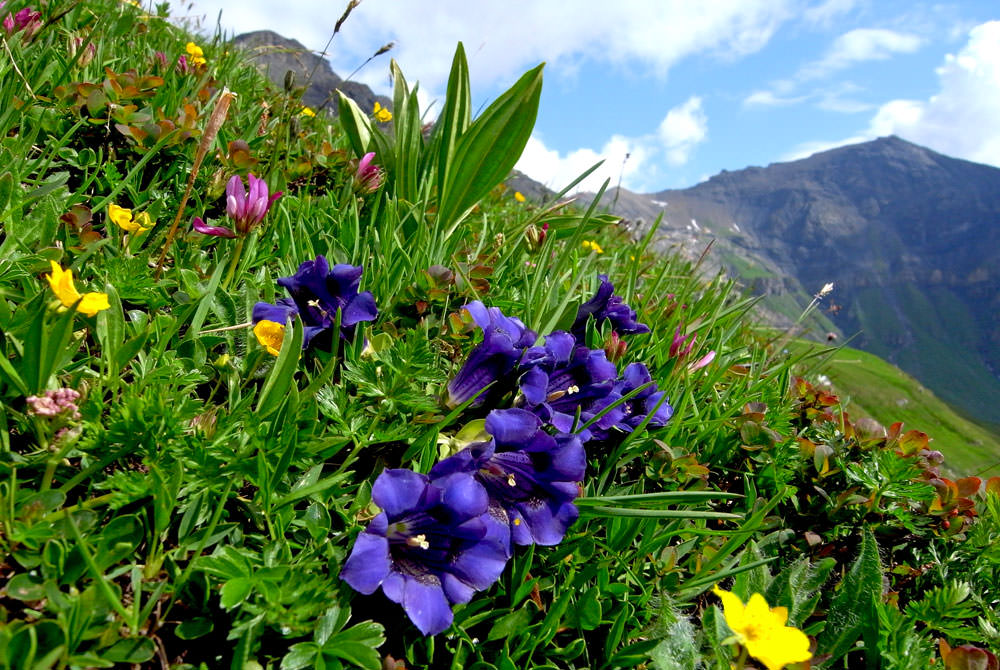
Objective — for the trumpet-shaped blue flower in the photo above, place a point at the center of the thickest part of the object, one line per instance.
(492, 362)
(569, 380)
(605, 305)
(641, 405)
(317, 292)
(531, 477)
(433, 545)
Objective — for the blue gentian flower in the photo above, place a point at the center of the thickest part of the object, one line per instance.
(492, 362)
(605, 305)
(531, 477)
(569, 380)
(433, 545)
(317, 292)
(639, 406)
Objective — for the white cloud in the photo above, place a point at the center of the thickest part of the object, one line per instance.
(963, 118)
(633, 160)
(504, 39)
(862, 44)
(850, 48)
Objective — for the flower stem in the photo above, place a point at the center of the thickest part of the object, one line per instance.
(234, 262)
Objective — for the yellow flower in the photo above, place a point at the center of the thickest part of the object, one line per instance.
(762, 630)
(123, 218)
(519, 196)
(381, 114)
(62, 285)
(196, 53)
(307, 111)
(270, 334)
(594, 246)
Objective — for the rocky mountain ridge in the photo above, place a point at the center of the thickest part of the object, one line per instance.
(910, 237)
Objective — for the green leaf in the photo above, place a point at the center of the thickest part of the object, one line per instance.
(510, 624)
(301, 655)
(455, 116)
(355, 123)
(131, 650)
(235, 591)
(852, 613)
(192, 629)
(283, 373)
(358, 645)
(487, 152)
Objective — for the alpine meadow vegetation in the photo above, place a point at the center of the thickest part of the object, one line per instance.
(283, 390)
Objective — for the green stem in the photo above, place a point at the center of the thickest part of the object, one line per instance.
(741, 662)
(234, 262)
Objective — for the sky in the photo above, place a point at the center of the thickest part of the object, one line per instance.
(670, 92)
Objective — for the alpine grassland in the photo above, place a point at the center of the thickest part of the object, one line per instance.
(281, 389)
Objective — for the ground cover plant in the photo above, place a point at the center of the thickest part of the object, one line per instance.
(287, 391)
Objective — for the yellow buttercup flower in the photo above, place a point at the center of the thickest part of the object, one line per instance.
(381, 114)
(307, 111)
(196, 53)
(762, 630)
(519, 196)
(594, 246)
(123, 219)
(62, 285)
(270, 334)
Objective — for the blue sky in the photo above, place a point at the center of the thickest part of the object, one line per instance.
(685, 89)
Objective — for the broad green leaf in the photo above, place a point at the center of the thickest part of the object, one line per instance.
(283, 373)
(489, 149)
(235, 591)
(455, 116)
(355, 123)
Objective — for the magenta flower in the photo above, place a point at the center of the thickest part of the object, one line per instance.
(248, 209)
(215, 231)
(245, 209)
(26, 21)
(369, 177)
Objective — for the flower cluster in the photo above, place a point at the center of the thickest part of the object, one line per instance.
(317, 292)
(123, 218)
(381, 114)
(51, 404)
(369, 177)
(518, 482)
(26, 21)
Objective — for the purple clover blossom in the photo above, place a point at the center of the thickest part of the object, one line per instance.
(247, 209)
(492, 362)
(433, 545)
(531, 477)
(369, 177)
(605, 305)
(26, 21)
(567, 380)
(317, 292)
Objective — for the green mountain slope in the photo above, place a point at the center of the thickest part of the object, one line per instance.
(870, 386)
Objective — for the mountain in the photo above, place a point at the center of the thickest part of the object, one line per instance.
(278, 56)
(909, 237)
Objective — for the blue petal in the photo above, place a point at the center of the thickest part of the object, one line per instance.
(512, 427)
(455, 589)
(368, 565)
(463, 495)
(360, 308)
(280, 313)
(426, 604)
(399, 491)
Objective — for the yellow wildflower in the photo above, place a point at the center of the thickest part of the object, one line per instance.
(762, 630)
(196, 53)
(593, 246)
(270, 334)
(307, 111)
(123, 218)
(62, 285)
(519, 196)
(381, 114)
